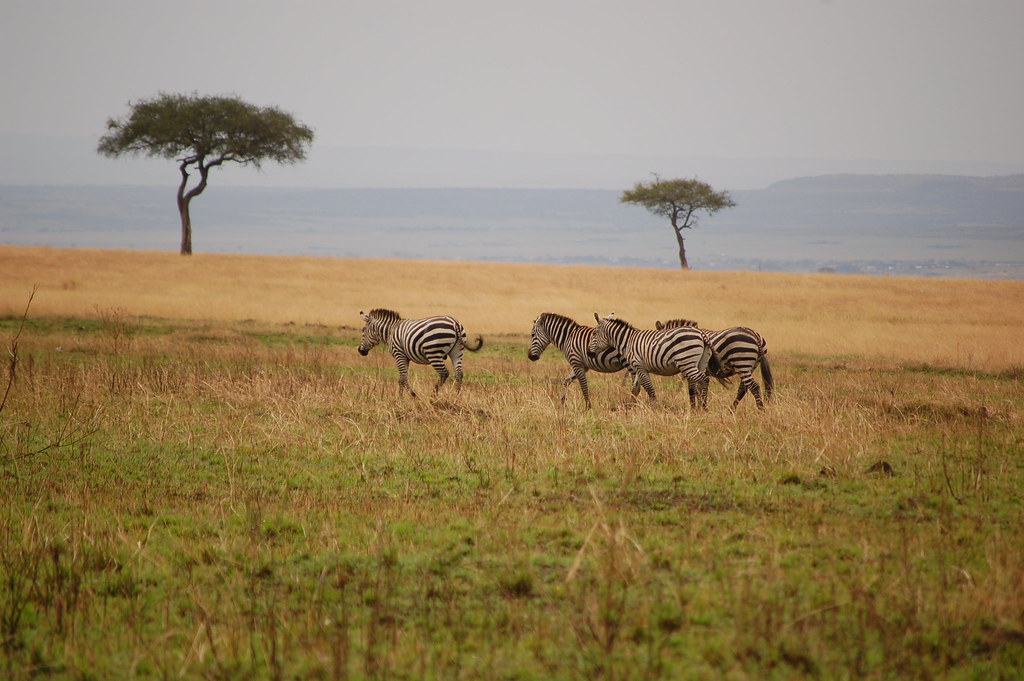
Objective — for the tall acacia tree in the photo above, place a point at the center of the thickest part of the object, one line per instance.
(679, 201)
(202, 133)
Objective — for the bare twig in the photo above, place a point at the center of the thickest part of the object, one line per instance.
(12, 350)
(71, 431)
(945, 474)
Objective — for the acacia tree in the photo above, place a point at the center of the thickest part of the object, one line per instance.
(679, 201)
(202, 133)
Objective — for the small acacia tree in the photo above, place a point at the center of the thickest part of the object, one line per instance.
(679, 201)
(202, 133)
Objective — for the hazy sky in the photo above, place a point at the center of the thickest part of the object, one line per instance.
(874, 84)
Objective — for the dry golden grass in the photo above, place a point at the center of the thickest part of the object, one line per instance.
(971, 324)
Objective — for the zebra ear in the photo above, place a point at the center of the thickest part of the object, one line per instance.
(659, 326)
(364, 316)
(597, 317)
(611, 315)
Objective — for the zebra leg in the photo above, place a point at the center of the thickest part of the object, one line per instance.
(756, 390)
(456, 355)
(747, 382)
(644, 379)
(699, 384)
(565, 385)
(442, 372)
(692, 392)
(740, 392)
(403, 374)
(580, 375)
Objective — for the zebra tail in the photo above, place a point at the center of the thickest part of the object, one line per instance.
(705, 358)
(479, 344)
(717, 370)
(766, 377)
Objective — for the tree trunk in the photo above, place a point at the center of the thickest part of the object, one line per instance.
(184, 199)
(682, 250)
(678, 229)
(186, 226)
(186, 220)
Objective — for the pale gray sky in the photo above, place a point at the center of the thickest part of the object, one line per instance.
(533, 93)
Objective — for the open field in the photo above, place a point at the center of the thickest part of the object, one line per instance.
(963, 324)
(203, 479)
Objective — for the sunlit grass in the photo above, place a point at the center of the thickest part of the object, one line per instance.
(969, 324)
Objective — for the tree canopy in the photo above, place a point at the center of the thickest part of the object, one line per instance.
(202, 133)
(678, 200)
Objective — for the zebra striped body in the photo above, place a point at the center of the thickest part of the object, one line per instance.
(422, 341)
(668, 352)
(574, 341)
(739, 350)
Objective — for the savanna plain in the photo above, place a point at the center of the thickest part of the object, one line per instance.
(201, 478)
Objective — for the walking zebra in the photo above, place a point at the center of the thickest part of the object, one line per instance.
(574, 341)
(739, 350)
(682, 350)
(423, 341)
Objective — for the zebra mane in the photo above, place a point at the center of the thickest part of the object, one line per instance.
(555, 317)
(620, 323)
(384, 314)
(675, 324)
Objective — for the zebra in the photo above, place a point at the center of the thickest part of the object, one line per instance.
(667, 352)
(739, 350)
(423, 341)
(574, 341)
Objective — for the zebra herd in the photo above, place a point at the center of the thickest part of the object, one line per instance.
(677, 346)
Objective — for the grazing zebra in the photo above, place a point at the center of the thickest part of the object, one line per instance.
(423, 341)
(667, 352)
(739, 350)
(574, 341)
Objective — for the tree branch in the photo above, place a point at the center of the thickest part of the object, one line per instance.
(689, 214)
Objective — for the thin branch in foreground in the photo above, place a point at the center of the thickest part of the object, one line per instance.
(12, 350)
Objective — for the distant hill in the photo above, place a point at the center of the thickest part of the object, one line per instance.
(911, 201)
(933, 224)
(906, 224)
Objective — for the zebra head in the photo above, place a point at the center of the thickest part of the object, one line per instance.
(602, 339)
(376, 326)
(539, 339)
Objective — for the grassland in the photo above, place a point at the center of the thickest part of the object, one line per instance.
(203, 479)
